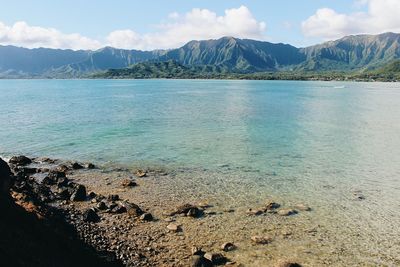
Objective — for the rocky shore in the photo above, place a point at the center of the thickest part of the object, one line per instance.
(52, 218)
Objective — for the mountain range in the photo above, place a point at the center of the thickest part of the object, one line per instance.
(225, 55)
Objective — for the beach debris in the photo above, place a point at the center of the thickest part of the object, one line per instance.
(79, 193)
(141, 173)
(174, 227)
(20, 160)
(228, 246)
(90, 215)
(258, 239)
(216, 258)
(128, 183)
(286, 212)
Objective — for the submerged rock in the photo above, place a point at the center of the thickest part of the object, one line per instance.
(254, 212)
(261, 239)
(271, 205)
(90, 166)
(128, 183)
(20, 160)
(76, 166)
(141, 173)
(286, 212)
(302, 207)
(228, 246)
(174, 227)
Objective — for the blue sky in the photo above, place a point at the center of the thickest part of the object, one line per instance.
(166, 24)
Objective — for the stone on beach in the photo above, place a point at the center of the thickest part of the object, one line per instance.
(128, 183)
(79, 193)
(271, 205)
(20, 160)
(215, 258)
(76, 166)
(90, 215)
(141, 173)
(254, 212)
(228, 246)
(174, 227)
(146, 217)
(302, 207)
(199, 261)
(287, 264)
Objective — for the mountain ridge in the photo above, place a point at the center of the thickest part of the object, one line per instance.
(227, 54)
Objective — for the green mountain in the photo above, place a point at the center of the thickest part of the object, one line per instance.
(236, 55)
(358, 53)
(352, 52)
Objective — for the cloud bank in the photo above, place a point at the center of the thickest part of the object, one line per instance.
(382, 16)
(177, 30)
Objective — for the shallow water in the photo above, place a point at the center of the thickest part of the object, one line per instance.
(237, 141)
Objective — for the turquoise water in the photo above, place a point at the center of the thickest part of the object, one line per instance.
(313, 141)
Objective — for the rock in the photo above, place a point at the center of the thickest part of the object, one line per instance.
(197, 251)
(271, 205)
(92, 194)
(194, 212)
(132, 209)
(199, 261)
(62, 168)
(204, 205)
(79, 193)
(146, 217)
(20, 160)
(101, 205)
(228, 246)
(141, 173)
(118, 209)
(174, 227)
(90, 166)
(5, 180)
(64, 193)
(76, 166)
(303, 207)
(187, 209)
(90, 215)
(287, 264)
(254, 212)
(215, 258)
(128, 183)
(261, 239)
(113, 197)
(286, 212)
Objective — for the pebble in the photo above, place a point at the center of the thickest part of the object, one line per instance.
(228, 246)
(261, 239)
(174, 227)
(286, 212)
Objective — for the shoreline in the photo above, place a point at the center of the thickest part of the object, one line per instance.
(102, 221)
(150, 217)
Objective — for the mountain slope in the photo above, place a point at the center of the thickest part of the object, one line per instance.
(238, 55)
(352, 52)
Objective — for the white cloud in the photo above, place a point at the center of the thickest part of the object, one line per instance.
(22, 34)
(176, 31)
(381, 16)
(194, 25)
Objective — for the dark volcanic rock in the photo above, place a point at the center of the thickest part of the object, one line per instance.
(199, 261)
(101, 206)
(113, 197)
(90, 166)
(90, 215)
(216, 258)
(20, 160)
(146, 217)
(5, 180)
(76, 166)
(79, 193)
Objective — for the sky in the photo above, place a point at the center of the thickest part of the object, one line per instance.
(165, 24)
